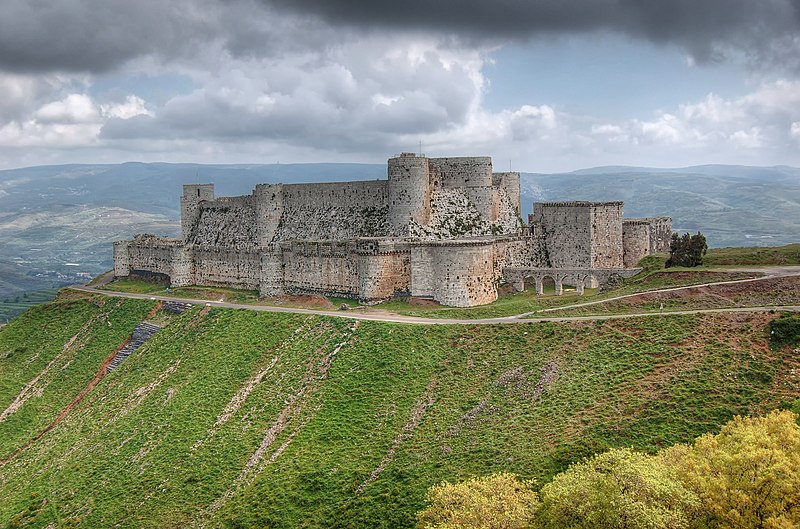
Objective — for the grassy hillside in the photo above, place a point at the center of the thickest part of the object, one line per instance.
(229, 418)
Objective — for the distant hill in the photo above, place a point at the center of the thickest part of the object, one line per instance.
(731, 205)
(56, 221)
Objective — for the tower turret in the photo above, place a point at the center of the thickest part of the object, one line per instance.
(409, 192)
(193, 194)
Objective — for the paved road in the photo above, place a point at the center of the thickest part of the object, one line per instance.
(396, 318)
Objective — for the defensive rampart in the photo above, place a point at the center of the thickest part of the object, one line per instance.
(443, 228)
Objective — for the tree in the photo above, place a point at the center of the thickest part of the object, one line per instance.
(618, 489)
(748, 475)
(498, 501)
(686, 250)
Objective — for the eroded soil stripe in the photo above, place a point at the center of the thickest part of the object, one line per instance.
(417, 414)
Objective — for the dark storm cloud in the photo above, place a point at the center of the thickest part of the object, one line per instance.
(100, 35)
(705, 28)
(90, 35)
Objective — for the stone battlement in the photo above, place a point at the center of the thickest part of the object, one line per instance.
(579, 204)
(444, 228)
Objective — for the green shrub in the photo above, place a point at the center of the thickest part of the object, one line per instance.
(785, 331)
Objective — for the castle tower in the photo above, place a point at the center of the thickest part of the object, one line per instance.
(270, 204)
(409, 192)
(510, 182)
(193, 194)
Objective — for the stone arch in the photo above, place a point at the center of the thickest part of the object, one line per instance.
(544, 279)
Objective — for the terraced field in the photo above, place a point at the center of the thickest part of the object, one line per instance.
(12, 307)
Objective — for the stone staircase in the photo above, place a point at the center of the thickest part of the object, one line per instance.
(143, 332)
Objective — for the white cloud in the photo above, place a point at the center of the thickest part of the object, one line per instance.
(715, 124)
(75, 108)
(131, 107)
(72, 121)
(794, 130)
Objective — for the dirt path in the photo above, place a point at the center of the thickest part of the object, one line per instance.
(526, 317)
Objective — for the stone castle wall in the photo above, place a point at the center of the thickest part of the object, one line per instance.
(326, 267)
(567, 230)
(645, 236)
(340, 211)
(660, 233)
(458, 273)
(408, 193)
(443, 228)
(463, 172)
(635, 241)
(607, 235)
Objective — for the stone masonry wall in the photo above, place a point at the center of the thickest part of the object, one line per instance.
(635, 241)
(510, 182)
(228, 223)
(324, 267)
(193, 195)
(161, 255)
(240, 269)
(473, 171)
(408, 193)
(271, 281)
(660, 234)
(270, 206)
(382, 275)
(455, 273)
(122, 261)
(607, 235)
(422, 270)
(464, 274)
(566, 228)
(340, 211)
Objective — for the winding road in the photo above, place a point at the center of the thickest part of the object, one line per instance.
(526, 317)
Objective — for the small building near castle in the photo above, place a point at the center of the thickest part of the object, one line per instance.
(448, 229)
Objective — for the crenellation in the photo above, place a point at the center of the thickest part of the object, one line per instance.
(448, 229)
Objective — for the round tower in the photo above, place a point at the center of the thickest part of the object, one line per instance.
(409, 192)
(193, 194)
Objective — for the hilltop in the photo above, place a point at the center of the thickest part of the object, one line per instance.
(239, 418)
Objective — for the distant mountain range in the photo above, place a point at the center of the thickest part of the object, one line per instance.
(57, 221)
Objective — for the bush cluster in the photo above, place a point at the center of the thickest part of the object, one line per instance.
(747, 476)
(687, 250)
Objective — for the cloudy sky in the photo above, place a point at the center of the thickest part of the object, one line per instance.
(540, 85)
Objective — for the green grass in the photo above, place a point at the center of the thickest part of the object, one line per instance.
(12, 307)
(147, 447)
(767, 256)
(134, 286)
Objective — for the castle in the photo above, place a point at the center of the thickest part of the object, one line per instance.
(448, 229)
